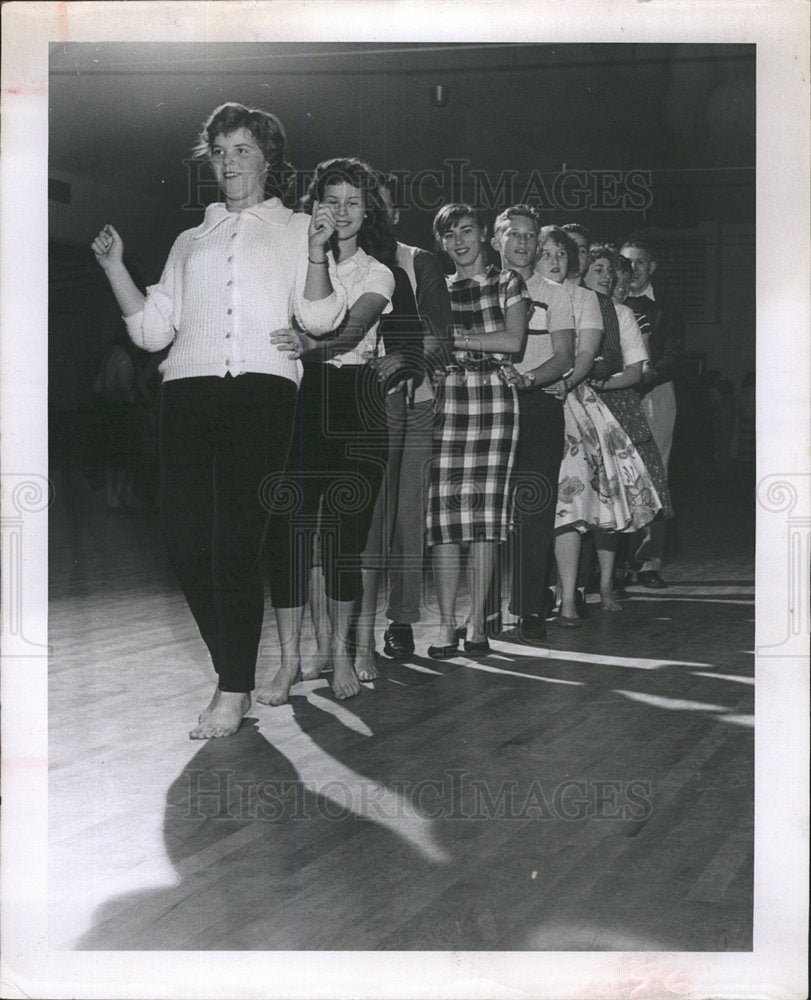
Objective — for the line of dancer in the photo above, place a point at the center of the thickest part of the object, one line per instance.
(337, 405)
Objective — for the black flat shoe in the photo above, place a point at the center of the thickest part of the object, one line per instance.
(398, 641)
(650, 578)
(477, 648)
(444, 652)
(532, 628)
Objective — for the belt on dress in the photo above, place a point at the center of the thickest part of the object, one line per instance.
(473, 362)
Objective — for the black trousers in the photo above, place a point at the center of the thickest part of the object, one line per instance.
(535, 494)
(338, 458)
(222, 441)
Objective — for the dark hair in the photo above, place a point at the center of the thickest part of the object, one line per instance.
(375, 236)
(598, 251)
(623, 266)
(575, 227)
(519, 211)
(265, 128)
(446, 218)
(561, 238)
(391, 182)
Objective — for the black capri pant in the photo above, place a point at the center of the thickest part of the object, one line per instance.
(338, 455)
(221, 441)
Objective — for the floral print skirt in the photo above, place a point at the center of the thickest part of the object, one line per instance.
(603, 481)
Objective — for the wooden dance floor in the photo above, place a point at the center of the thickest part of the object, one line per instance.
(595, 794)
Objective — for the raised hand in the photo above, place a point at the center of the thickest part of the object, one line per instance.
(322, 226)
(108, 248)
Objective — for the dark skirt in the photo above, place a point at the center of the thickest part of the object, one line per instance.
(626, 406)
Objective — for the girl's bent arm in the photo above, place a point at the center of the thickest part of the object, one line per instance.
(364, 312)
(589, 341)
(509, 340)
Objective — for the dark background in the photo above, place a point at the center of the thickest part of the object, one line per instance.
(621, 137)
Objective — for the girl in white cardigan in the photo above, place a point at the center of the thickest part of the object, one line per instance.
(229, 395)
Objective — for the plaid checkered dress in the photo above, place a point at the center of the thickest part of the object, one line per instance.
(476, 425)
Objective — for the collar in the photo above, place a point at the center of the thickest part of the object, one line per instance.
(646, 293)
(478, 279)
(272, 212)
(358, 259)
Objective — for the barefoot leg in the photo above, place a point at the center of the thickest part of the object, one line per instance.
(224, 718)
(288, 622)
(345, 683)
(567, 554)
(322, 658)
(606, 544)
(365, 657)
(208, 709)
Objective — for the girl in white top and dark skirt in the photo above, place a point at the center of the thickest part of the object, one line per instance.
(339, 454)
(229, 395)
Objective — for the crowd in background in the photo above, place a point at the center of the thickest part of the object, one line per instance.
(488, 404)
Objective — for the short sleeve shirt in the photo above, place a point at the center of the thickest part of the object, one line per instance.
(359, 274)
(551, 309)
(631, 340)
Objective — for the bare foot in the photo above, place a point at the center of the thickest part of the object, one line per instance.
(223, 717)
(609, 601)
(313, 666)
(276, 692)
(366, 664)
(344, 683)
(207, 710)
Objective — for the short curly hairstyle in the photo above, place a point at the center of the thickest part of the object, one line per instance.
(561, 239)
(267, 131)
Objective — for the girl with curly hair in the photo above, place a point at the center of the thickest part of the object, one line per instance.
(339, 453)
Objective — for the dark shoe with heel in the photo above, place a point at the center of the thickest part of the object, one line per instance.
(444, 652)
(650, 578)
(477, 648)
(398, 641)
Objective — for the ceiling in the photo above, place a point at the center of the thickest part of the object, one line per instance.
(128, 114)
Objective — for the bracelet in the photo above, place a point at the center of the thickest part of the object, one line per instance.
(324, 261)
